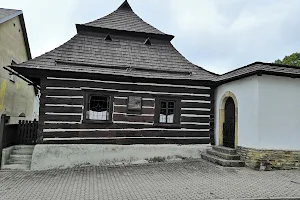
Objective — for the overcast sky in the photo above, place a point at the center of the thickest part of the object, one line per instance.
(218, 35)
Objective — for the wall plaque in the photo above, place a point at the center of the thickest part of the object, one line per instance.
(134, 103)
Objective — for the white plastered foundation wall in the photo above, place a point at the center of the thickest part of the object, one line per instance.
(71, 155)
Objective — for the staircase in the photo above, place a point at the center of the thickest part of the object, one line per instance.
(224, 156)
(20, 158)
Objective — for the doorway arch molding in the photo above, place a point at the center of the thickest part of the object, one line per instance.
(224, 98)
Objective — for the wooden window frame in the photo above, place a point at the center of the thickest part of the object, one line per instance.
(86, 97)
(177, 112)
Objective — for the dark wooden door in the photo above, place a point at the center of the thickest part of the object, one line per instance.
(229, 124)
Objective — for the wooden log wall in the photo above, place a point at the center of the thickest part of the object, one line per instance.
(62, 108)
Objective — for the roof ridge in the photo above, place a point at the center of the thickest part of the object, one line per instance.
(124, 19)
(125, 5)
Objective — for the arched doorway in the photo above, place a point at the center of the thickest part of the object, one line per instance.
(228, 120)
(229, 124)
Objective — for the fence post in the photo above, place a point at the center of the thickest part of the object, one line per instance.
(2, 124)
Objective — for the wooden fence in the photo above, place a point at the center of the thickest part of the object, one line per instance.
(27, 132)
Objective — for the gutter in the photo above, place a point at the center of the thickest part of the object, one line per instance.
(22, 77)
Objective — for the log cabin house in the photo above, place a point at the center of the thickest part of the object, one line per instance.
(119, 80)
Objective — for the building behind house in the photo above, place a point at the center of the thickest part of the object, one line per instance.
(17, 97)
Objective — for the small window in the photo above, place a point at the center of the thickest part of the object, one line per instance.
(98, 108)
(108, 38)
(167, 111)
(148, 42)
(12, 78)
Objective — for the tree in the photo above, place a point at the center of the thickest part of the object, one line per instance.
(293, 59)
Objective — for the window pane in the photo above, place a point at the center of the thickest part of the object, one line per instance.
(163, 104)
(98, 108)
(171, 104)
(162, 116)
(170, 116)
(167, 112)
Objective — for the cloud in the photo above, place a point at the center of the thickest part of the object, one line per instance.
(228, 34)
(215, 34)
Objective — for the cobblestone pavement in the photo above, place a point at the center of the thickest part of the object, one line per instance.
(178, 180)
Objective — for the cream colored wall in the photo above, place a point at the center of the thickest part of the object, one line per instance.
(15, 97)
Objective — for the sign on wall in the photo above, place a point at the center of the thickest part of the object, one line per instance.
(134, 103)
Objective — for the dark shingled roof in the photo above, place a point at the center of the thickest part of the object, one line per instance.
(6, 14)
(124, 19)
(126, 54)
(259, 67)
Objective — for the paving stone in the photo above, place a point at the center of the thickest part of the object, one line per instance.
(178, 180)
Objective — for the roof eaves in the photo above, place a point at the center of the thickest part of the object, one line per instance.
(86, 28)
(17, 13)
(25, 37)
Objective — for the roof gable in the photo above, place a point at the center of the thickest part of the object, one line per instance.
(7, 14)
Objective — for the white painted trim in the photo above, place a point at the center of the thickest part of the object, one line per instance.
(109, 138)
(65, 97)
(120, 105)
(147, 107)
(62, 88)
(148, 99)
(129, 83)
(190, 115)
(120, 97)
(194, 101)
(64, 105)
(77, 114)
(146, 115)
(125, 122)
(194, 123)
(200, 109)
(60, 122)
(128, 91)
(129, 129)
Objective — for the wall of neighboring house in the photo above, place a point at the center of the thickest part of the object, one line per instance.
(246, 93)
(16, 96)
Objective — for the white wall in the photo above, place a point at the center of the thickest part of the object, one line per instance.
(47, 156)
(246, 92)
(279, 113)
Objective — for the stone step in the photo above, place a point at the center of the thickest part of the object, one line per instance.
(24, 147)
(225, 150)
(10, 161)
(220, 161)
(224, 156)
(22, 151)
(16, 167)
(20, 157)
